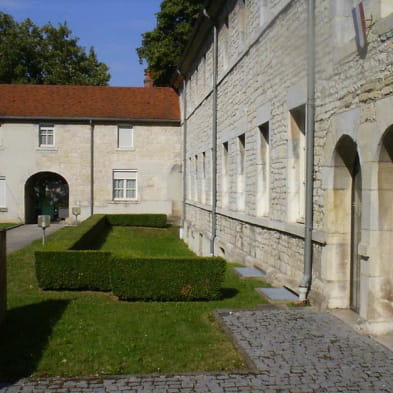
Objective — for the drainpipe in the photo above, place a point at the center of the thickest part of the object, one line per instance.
(214, 136)
(184, 154)
(305, 284)
(91, 167)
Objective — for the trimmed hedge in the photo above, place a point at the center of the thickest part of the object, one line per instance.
(138, 220)
(73, 270)
(66, 264)
(93, 236)
(167, 279)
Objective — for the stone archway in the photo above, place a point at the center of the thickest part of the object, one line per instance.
(46, 193)
(344, 225)
(384, 284)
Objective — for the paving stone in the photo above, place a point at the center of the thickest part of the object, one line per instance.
(294, 351)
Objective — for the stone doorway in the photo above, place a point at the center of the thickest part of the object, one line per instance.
(46, 193)
(345, 223)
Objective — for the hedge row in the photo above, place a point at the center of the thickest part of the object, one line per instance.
(176, 279)
(139, 220)
(67, 264)
(167, 279)
(73, 270)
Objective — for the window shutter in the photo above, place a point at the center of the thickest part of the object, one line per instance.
(124, 137)
(2, 193)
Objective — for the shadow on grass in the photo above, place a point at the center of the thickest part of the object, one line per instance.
(228, 293)
(24, 336)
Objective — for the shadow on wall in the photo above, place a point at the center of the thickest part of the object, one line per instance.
(24, 336)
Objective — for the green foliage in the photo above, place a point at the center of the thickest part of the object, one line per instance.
(140, 220)
(46, 55)
(162, 47)
(73, 270)
(177, 279)
(71, 236)
(94, 234)
(90, 333)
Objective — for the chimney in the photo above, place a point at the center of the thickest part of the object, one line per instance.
(148, 81)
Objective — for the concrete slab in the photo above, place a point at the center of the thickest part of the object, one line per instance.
(277, 294)
(249, 272)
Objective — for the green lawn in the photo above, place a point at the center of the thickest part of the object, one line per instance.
(6, 225)
(88, 333)
(146, 242)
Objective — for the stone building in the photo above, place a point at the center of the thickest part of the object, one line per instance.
(104, 149)
(266, 85)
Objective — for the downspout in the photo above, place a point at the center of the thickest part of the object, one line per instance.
(184, 155)
(305, 284)
(91, 167)
(214, 136)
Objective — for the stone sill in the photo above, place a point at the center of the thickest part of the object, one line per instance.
(293, 229)
(48, 149)
(124, 202)
(3, 209)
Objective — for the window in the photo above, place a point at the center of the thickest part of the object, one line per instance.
(296, 164)
(263, 170)
(196, 179)
(263, 12)
(241, 180)
(125, 137)
(203, 186)
(224, 177)
(242, 21)
(3, 203)
(124, 185)
(46, 136)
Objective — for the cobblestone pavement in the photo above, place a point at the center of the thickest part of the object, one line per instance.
(292, 351)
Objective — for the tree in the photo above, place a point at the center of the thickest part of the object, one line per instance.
(46, 55)
(162, 47)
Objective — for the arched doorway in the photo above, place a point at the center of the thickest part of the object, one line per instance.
(46, 193)
(385, 223)
(346, 217)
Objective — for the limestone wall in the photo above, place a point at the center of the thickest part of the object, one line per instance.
(262, 81)
(156, 156)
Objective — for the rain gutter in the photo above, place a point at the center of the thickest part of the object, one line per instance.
(305, 284)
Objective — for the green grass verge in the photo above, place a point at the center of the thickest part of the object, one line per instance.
(6, 225)
(87, 333)
(146, 242)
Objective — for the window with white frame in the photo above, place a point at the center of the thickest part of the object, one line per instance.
(125, 137)
(241, 178)
(3, 201)
(46, 135)
(296, 163)
(225, 175)
(203, 180)
(263, 170)
(125, 185)
(196, 179)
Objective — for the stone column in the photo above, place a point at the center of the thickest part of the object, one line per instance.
(3, 276)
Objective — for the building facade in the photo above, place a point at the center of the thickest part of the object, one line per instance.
(103, 149)
(256, 85)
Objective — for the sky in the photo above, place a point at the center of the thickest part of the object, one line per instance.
(112, 27)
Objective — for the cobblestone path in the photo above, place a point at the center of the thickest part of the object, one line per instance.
(292, 351)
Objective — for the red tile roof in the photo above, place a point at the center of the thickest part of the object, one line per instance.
(47, 101)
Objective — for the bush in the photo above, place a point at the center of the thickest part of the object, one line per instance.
(73, 270)
(93, 235)
(140, 220)
(167, 279)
